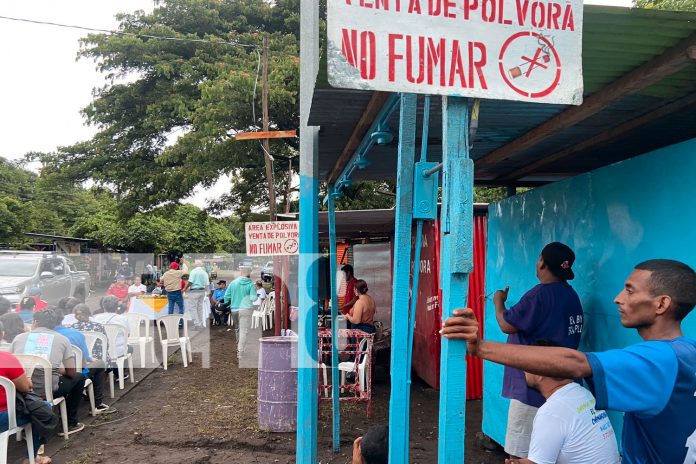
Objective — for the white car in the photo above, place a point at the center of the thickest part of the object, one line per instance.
(55, 275)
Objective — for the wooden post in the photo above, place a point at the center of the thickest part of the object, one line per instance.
(400, 372)
(264, 143)
(456, 262)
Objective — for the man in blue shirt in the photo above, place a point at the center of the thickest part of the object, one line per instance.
(653, 382)
(220, 310)
(550, 311)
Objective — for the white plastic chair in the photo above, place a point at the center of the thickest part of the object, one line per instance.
(112, 333)
(360, 366)
(10, 392)
(88, 382)
(91, 339)
(257, 315)
(170, 323)
(135, 322)
(31, 362)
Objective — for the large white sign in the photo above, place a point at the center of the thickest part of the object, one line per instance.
(529, 50)
(272, 238)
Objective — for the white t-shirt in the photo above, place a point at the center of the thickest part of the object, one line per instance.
(568, 430)
(260, 296)
(137, 289)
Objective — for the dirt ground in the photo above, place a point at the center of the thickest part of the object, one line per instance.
(197, 415)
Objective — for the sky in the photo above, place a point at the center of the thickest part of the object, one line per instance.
(43, 86)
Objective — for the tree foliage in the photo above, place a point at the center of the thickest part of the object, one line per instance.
(169, 108)
(36, 203)
(673, 5)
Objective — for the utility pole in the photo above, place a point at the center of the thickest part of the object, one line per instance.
(264, 143)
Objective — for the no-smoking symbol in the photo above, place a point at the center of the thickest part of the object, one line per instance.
(291, 246)
(530, 64)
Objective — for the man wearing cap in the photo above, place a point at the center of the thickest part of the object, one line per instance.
(172, 284)
(39, 304)
(549, 311)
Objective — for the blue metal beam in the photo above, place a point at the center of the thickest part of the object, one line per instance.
(456, 262)
(400, 371)
(336, 409)
(359, 158)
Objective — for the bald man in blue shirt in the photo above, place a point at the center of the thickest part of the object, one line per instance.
(653, 382)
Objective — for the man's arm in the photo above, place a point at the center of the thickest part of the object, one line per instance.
(349, 304)
(499, 299)
(69, 367)
(540, 360)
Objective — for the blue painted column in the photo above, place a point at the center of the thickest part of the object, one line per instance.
(456, 262)
(400, 370)
(308, 273)
(335, 400)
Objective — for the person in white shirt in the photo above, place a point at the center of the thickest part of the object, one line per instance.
(567, 428)
(260, 293)
(108, 315)
(137, 288)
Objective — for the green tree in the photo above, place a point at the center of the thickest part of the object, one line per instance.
(14, 220)
(169, 126)
(673, 5)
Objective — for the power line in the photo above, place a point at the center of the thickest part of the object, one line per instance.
(132, 34)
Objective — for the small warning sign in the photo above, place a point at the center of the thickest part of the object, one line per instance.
(272, 238)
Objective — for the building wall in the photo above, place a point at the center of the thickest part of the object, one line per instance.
(613, 218)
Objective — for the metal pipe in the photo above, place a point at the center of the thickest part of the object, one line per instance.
(433, 170)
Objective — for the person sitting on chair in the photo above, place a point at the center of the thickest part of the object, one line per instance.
(362, 314)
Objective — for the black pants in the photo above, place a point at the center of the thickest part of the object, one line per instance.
(71, 389)
(98, 374)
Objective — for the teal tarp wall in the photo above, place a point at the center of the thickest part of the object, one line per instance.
(613, 218)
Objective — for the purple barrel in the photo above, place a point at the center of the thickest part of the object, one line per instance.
(277, 392)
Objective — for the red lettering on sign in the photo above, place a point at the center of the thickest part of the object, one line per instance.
(486, 5)
(393, 56)
(568, 22)
(469, 6)
(414, 6)
(538, 14)
(365, 57)
(450, 4)
(456, 67)
(522, 11)
(409, 60)
(434, 8)
(435, 57)
(554, 14)
(477, 65)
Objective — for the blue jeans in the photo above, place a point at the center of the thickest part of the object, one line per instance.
(175, 299)
(21, 420)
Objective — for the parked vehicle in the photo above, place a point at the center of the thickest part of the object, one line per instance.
(246, 262)
(267, 272)
(55, 275)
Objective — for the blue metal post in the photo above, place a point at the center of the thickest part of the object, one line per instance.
(456, 262)
(400, 392)
(336, 409)
(308, 286)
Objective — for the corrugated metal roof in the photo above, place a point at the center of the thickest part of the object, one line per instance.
(615, 42)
